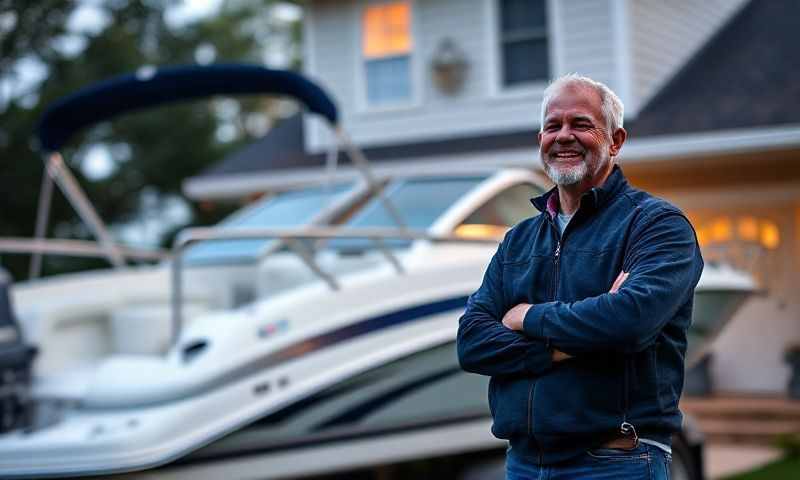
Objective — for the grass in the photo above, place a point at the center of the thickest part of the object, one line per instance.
(784, 469)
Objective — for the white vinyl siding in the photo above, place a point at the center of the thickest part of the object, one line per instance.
(580, 38)
(587, 32)
(665, 35)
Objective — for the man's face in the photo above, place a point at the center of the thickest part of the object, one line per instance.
(575, 141)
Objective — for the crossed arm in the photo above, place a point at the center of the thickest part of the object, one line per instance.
(515, 354)
(514, 319)
(488, 347)
(664, 266)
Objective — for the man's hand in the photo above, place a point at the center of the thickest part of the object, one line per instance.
(513, 318)
(618, 282)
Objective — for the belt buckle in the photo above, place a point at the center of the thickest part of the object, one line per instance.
(630, 437)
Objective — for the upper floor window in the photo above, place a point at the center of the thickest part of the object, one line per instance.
(386, 46)
(523, 41)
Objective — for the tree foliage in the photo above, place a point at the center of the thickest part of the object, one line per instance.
(152, 151)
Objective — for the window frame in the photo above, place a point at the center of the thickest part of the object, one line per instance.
(497, 88)
(414, 100)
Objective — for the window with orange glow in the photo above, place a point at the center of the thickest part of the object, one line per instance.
(387, 30)
(750, 239)
(747, 229)
(386, 47)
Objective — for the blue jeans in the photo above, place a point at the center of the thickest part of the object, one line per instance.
(645, 462)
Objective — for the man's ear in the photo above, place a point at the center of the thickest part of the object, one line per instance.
(617, 139)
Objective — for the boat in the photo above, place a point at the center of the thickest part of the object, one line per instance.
(280, 350)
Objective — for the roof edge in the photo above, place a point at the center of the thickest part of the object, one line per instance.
(659, 147)
(637, 151)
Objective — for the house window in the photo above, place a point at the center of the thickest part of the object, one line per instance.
(386, 46)
(523, 41)
(751, 240)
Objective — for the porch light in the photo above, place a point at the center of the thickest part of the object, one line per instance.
(770, 236)
(721, 230)
(747, 229)
(449, 67)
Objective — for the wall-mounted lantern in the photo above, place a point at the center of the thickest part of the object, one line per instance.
(449, 67)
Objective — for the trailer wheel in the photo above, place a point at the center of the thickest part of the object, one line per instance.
(684, 463)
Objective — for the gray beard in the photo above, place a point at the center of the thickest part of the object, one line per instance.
(569, 176)
(574, 174)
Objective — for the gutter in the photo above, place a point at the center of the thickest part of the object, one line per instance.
(686, 146)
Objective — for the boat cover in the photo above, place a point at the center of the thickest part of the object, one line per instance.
(126, 93)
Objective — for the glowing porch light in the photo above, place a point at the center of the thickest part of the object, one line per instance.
(721, 230)
(747, 229)
(770, 236)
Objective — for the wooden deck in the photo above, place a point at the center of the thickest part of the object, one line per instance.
(751, 419)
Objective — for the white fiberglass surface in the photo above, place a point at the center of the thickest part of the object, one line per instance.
(419, 202)
(286, 209)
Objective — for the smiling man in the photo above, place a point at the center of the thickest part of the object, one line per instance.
(582, 315)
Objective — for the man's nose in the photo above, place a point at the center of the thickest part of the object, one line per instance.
(565, 135)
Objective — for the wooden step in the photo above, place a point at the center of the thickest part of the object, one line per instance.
(744, 418)
(762, 432)
(742, 406)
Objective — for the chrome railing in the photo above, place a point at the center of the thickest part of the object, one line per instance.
(74, 248)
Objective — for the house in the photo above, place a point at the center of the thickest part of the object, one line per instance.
(711, 94)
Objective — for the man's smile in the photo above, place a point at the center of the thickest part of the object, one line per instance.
(567, 156)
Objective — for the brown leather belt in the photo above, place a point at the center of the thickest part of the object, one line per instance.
(622, 443)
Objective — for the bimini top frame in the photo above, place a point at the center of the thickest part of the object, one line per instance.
(149, 88)
(153, 87)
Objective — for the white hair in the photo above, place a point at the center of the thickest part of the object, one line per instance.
(611, 105)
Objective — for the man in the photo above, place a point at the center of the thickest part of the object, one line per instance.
(582, 315)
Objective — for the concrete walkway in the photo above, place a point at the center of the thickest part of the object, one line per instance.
(726, 459)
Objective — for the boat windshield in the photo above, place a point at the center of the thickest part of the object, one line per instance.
(419, 201)
(287, 209)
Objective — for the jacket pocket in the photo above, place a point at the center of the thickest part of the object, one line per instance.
(527, 281)
(581, 396)
(508, 402)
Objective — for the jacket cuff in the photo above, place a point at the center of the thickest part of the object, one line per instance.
(533, 323)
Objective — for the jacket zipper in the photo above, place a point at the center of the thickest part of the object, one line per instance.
(626, 428)
(532, 388)
(556, 263)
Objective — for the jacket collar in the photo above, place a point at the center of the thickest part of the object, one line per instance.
(591, 200)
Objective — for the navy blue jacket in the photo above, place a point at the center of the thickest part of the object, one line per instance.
(628, 347)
